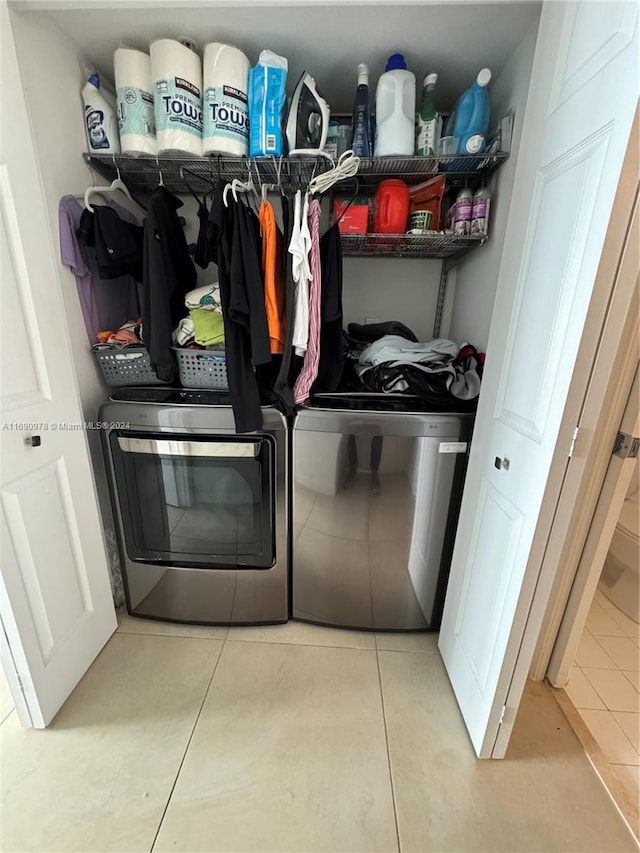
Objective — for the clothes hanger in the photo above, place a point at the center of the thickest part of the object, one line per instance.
(183, 174)
(117, 184)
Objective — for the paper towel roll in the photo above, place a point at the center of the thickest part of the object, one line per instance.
(177, 94)
(225, 125)
(135, 101)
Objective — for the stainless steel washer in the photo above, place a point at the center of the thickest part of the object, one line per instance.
(201, 512)
(376, 496)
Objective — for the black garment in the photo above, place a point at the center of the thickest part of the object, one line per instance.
(371, 332)
(169, 275)
(205, 251)
(239, 252)
(118, 243)
(331, 363)
(283, 387)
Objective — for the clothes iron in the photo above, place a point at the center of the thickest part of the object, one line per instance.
(308, 118)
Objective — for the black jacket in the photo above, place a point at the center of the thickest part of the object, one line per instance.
(168, 275)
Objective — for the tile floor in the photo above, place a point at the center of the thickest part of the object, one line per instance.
(603, 686)
(290, 738)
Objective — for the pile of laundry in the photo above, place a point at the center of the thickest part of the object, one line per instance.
(388, 358)
(204, 327)
(128, 335)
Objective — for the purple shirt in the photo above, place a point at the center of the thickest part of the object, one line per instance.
(106, 303)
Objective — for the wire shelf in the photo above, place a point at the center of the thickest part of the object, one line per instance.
(143, 172)
(436, 246)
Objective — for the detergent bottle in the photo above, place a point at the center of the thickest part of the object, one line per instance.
(470, 118)
(101, 120)
(395, 109)
(428, 134)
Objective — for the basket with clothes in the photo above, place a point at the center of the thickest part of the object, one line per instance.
(198, 341)
(388, 358)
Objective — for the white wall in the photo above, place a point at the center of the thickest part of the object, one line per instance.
(391, 289)
(477, 274)
(52, 67)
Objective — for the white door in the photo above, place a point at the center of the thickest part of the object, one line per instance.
(55, 599)
(580, 109)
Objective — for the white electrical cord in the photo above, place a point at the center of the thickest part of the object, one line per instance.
(346, 167)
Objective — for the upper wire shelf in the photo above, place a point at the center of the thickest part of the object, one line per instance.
(451, 246)
(143, 172)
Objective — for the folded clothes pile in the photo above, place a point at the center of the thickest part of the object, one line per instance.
(204, 327)
(207, 297)
(128, 335)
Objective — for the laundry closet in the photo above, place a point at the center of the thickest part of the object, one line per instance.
(546, 187)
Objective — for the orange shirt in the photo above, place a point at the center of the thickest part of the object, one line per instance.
(274, 286)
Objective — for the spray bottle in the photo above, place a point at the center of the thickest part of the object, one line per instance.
(101, 121)
(362, 139)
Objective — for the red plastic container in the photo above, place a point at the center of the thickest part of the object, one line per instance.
(391, 207)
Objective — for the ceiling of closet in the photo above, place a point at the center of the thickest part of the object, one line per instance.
(328, 41)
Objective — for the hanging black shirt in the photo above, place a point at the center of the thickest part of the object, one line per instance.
(117, 243)
(168, 275)
(238, 253)
(331, 363)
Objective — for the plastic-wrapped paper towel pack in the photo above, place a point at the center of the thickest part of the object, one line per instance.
(136, 117)
(267, 99)
(176, 73)
(225, 128)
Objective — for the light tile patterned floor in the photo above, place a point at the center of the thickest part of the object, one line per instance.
(603, 686)
(292, 738)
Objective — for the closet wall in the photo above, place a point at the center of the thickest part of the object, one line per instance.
(477, 274)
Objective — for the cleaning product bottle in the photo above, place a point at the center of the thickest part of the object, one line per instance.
(480, 211)
(462, 212)
(395, 109)
(101, 120)
(470, 118)
(428, 133)
(361, 143)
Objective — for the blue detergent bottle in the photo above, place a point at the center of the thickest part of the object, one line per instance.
(471, 113)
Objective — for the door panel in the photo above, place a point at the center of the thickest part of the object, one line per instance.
(19, 340)
(580, 109)
(55, 598)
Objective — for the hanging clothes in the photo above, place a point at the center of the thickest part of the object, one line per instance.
(283, 389)
(169, 274)
(309, 370)
(105, 303)
(331, 361)
(117, 241)
(299, 248)
(274, 281)
(239, 251)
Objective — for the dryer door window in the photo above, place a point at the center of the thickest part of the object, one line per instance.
(196, 502)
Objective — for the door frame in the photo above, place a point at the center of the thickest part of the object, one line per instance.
(614, 490)
(597, 397)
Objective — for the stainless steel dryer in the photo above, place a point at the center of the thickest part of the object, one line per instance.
(377, 485)
(200, 511)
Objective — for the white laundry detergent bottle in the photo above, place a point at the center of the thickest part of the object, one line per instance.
(395, 109)
(101, 120)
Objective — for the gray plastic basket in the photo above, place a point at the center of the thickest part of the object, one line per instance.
(202, 368)
(126, 366)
